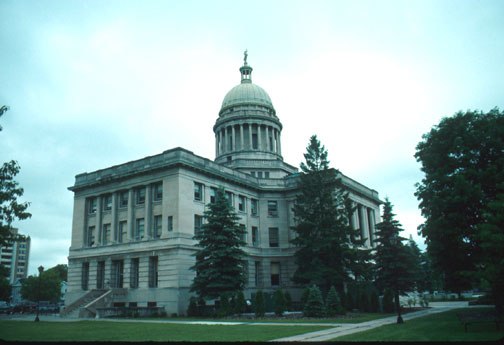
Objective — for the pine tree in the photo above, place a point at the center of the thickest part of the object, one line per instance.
(259, 306)
(240, 304)
(279, 300)
(220, 267)
(393, 260)
(315, 305)
(328, 249)
(333, 303)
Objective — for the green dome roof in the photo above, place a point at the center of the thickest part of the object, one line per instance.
(246, 93)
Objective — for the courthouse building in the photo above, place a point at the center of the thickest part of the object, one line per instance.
(133, 224)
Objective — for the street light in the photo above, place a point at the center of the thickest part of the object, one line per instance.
(40, 270)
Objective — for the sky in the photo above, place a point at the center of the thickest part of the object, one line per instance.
(91, 84)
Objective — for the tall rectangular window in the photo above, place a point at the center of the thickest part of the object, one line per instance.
(213, 195)
(255, 236)
(107, 202)
(198, 191)
(100, 275)
(198, 223)
(116, 275)
(254, 141)
(92, 205)
(123, 229)
(157, 191)
(90, 236)
(157, 227)
(241, 203)
(106, 234)
(170, 223)
(272, 208)
(257, 274)
(254, 207)
(273, 237)
(134, 270)
(123, 199)
(140, 195)
(275, 273)
(85, 276)
(153, 271)
(139, 229)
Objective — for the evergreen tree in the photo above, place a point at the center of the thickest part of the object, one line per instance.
(5, 287)
(47, 287)
(374, 303)
(328, 249)
(259, 306)
(279, 300)
(240, 304)
(333, 303)
(220, 267)
(393, 259)
(315, 305)
(388, 301)
(288, 300)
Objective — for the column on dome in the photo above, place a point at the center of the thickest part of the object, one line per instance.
(233, 138)
(279, 144)
(268, 148)
(259, 141)
(250, 136)
(241, 137)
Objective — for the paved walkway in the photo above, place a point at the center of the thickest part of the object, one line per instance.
(349, 328)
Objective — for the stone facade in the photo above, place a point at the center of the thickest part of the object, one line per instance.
(133, 223)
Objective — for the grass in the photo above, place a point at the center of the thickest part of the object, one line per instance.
(90, 331)
(440, 327)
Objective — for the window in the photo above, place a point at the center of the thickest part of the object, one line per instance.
(123, 199)
(253, 207)
(272, 208)
(92, 205)
(107, 202)
(243, 235)
(106, 234)
(157, 227)
(213, 194)
(157, 191)
(122, 233)
(254, 141)
(116, 276)
(229, 198)
(85, 276)
(253, 173)
(257, 274)
(139, 229)
(241, 203)
(259, 174)
(153, 271)
(140, 195)
(198, 222)
(135, 264)
(275, 273)
(151, 304)
(170, 223)
(100, 275)
(198, 191)
(273, 237)
(89, 237)
(255, 236)
(266, 174)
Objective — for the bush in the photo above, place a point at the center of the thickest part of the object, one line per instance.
(315, 305)
(279, 301)
(304, 296)
(240, 305)
(288, 300)
(333, 303)
(259, 306)
(192, 309)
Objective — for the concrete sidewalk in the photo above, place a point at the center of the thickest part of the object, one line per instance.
(349, 328)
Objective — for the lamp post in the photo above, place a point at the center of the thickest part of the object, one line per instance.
(40, 270)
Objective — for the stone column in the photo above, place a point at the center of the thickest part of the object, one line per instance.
(259, 138)
(279, 144)
(216, 144)
(113, 224)
(372, 222)
(241, 137)
(268, 147)
(233, 138)
(148, 213)
(98, 220)
(250, 136)
(131, 216)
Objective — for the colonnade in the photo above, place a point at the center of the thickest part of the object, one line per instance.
(364, 219)
(248, 136)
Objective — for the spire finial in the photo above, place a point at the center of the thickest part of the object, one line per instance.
(245, 55)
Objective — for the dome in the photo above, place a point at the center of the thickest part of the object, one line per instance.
(246, 93)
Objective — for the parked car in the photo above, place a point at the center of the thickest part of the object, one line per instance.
(24, 308)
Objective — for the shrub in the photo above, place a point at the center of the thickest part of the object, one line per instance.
(240, 305)
(192, 309)
(288, 300)
(279, 301)
(315, 305)
(259, 306)
(304, 296)
(333, 303)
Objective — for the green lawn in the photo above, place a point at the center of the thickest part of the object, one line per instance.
(142, 332)
(440, 327)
